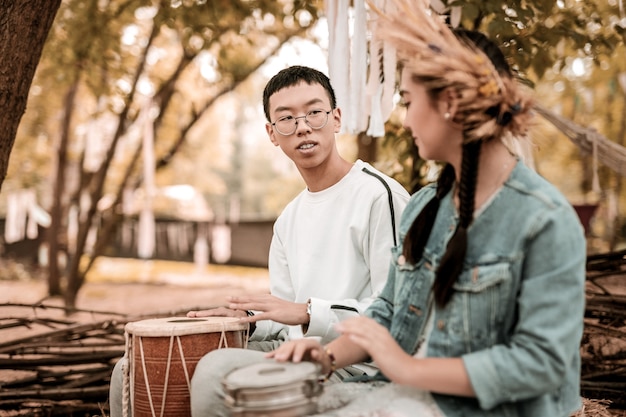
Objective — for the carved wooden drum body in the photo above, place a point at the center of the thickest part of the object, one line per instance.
(163, 354)
(273, 389)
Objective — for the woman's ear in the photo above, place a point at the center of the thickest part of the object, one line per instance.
(450, 102)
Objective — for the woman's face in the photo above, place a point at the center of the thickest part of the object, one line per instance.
(436, 137)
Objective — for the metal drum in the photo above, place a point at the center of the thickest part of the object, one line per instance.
(163, 354)
(280, 389)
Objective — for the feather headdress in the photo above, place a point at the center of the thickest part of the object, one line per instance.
(489, 103)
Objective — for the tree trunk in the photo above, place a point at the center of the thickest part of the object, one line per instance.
(24, 26)
(56, 210)
(617, 226)
(95, 187)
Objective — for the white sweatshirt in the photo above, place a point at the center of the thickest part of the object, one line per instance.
(333, 247)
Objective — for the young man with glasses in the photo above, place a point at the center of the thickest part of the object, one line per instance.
(331, 247)
(330, 251)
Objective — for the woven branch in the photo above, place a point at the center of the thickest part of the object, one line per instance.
(15, 363)
(56, 393)
(608, 152)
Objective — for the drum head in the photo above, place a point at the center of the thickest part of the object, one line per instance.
(180, 326)
(267, 374)
(273, 389)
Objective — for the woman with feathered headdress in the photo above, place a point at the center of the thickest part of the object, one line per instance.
(483, 310)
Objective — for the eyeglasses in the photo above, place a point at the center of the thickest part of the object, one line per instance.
(315, 119)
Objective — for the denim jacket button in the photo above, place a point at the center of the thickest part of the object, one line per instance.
(440, 324)
(401, 260)
(416, 310)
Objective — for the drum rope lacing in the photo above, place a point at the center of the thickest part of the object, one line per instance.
(223, 343)
(145, 376)
(126, 377)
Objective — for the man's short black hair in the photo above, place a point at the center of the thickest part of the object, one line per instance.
(294, 75)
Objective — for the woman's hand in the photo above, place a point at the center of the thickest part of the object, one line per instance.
(376, 340)
(299, 350)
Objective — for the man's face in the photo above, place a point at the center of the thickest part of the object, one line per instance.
(308, 146)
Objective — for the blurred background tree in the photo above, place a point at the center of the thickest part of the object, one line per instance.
(572, 53)
(24, 28)
(192, 71)
(100, 84)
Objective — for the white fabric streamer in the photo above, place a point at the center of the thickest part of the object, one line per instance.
(358, 72)
(339, 52)
(23, 216)
(146, 240)
(32, 228)
(364, 95)
(221, 243)
(11, 224)
(201, 250)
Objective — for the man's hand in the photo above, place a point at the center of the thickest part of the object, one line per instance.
(217, 312)
(268, 307)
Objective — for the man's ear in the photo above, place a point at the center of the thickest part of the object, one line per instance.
(337, 119)
(270, 132)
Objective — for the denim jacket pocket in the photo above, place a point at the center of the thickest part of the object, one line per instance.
(409, 275)
(479, 304)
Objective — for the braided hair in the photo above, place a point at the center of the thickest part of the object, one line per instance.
(451, 264)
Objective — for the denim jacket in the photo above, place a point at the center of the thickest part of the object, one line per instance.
(516, 315)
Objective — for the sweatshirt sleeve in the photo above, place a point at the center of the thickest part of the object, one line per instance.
(377, 244)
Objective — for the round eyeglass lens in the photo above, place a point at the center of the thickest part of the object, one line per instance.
(315, 119)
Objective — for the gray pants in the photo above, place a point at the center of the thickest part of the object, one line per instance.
(207, 394)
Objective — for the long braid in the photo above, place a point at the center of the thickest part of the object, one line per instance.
(451, 264)
(489, 103)
(419, 232)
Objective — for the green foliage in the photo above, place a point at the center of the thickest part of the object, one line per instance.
(540, 38)
(535, 34)
(180, 55)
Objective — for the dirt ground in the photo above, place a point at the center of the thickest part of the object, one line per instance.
(134, 288)
(123, 289)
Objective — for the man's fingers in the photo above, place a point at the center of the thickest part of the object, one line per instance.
(240, 306)
(251, 319)
(216, 312)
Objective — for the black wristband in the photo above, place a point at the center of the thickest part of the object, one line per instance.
(252, 327)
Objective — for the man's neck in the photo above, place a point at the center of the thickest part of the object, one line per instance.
(325, 175)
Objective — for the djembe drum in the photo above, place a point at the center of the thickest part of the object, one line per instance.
(268, 389)
(163, 354)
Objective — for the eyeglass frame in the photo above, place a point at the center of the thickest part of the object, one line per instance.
(295, 126)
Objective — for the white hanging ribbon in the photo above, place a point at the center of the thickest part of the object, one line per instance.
(146, 240)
